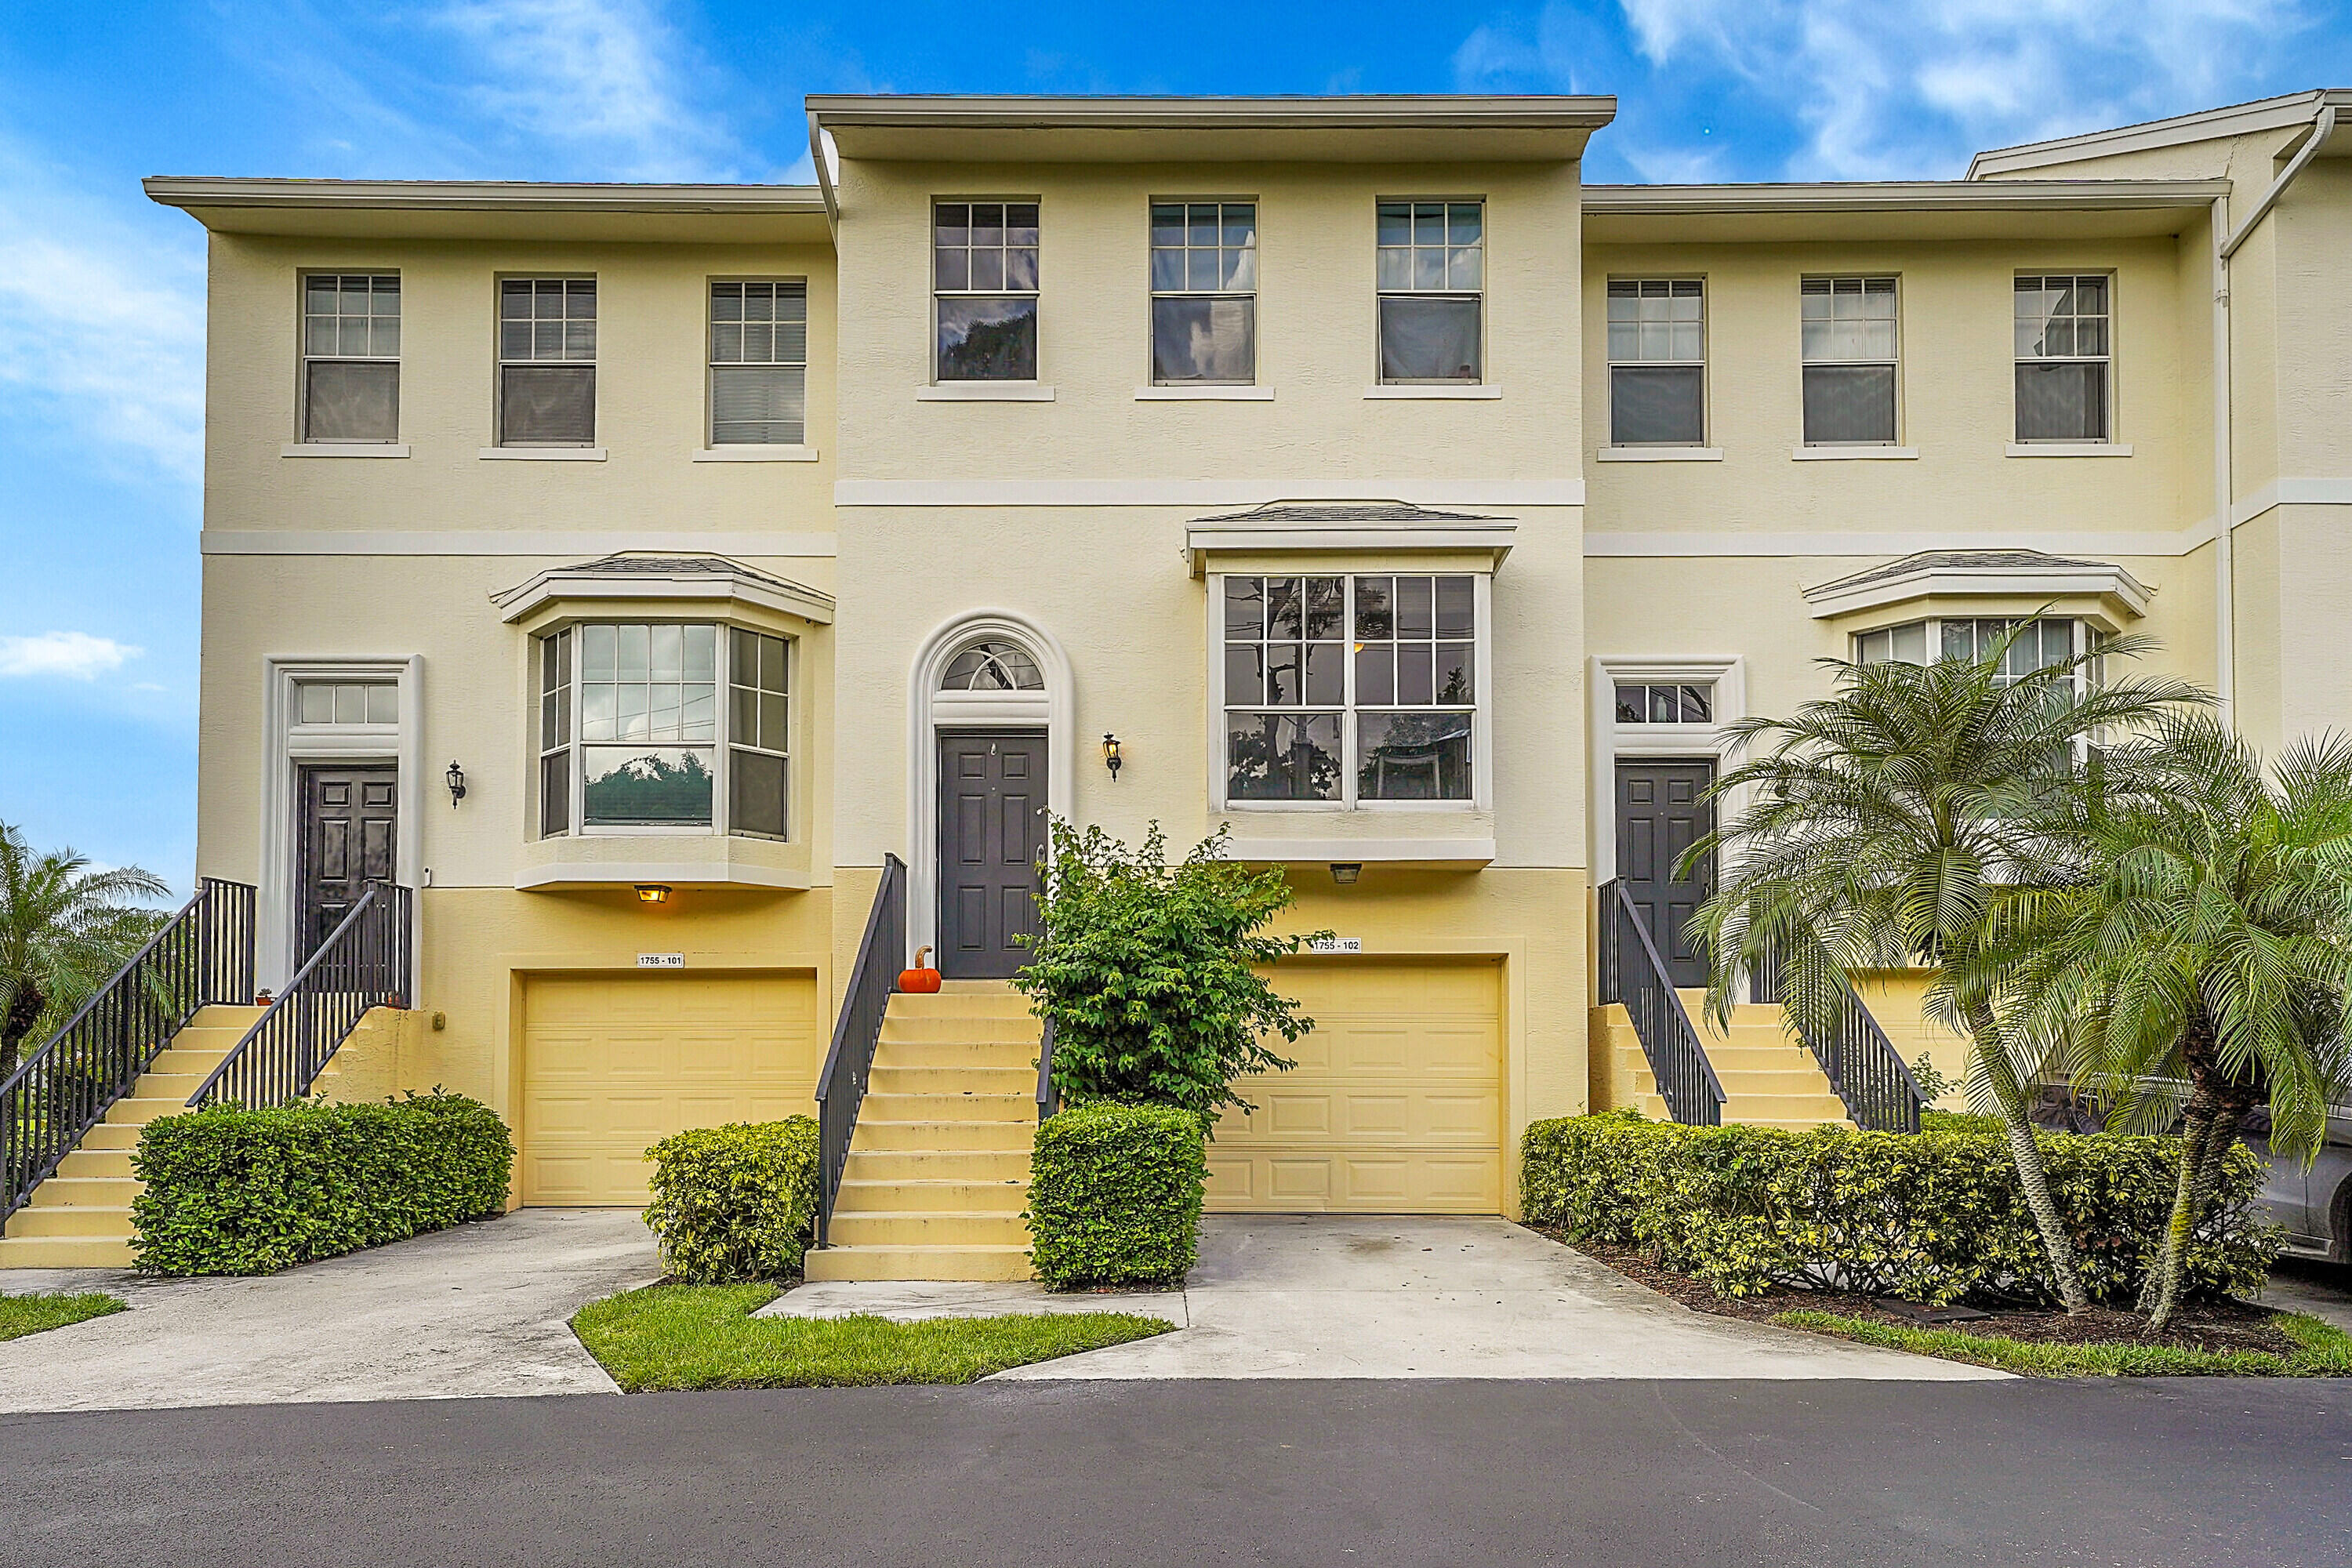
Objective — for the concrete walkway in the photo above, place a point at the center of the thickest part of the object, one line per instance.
(481, 1309)
(1337, 1296)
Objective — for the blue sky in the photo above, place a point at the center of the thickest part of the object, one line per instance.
(101, 318)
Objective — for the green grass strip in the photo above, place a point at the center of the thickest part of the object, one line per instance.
(22, 1315)
(701, 1336)
(2323, 1350)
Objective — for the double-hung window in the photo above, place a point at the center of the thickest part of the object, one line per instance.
(2039, 643)
(633, 736)
(350, 357)
(1204, 293)
(985, 286)
(547, 362)
(1657, 361)
(1848, 327)
(1431, 271)
(759, 363)
(2064, 348)
(1349, 690)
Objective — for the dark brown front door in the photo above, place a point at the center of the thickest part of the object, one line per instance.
(345, 838)
(991, 829)
(1660, 814)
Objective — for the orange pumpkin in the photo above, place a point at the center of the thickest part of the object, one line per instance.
(919, 979)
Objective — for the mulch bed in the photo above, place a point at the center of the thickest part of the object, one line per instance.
(2218, 1326)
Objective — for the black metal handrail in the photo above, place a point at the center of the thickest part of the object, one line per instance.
(1865, 1069)
(1047, 1101)
(202, 956)
(363, 964)
(841, 1086)
(1632, 974)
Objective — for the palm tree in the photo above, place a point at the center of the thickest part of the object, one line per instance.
(64, 931)
(2208, 941)
(1885, 825)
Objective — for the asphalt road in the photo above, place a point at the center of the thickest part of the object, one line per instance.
(1686, 1473)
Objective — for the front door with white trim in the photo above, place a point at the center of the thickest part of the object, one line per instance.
(991, 833)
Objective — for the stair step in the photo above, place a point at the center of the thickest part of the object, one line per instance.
(110, 1138)
(179, 1058)
(917, 1263)
(929, 1195)
(942, 1106)
(1746, 1107)
(959, 1028)
(1006, 1003)
(971, 1166)
(74, 1191)
(900, 1077)
(907, 1137)
(65, 1252)
(137, 1110)
(955, 1056)
(101, 1163)
(86, 1220)
(977, 1227)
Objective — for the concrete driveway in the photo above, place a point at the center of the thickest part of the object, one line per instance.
(1315, 1296)
(479, 1310)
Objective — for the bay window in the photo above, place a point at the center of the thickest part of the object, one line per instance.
(1349, 691)
(2043, 642)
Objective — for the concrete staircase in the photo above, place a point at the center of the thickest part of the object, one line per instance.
(938, 1167)
(80, 1217)
(1769, 1078)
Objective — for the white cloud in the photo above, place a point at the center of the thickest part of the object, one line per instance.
(1882, 92)
(604, 75)
(101, 324)
(76, 656)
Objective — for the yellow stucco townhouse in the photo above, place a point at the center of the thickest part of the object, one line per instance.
(637, 618)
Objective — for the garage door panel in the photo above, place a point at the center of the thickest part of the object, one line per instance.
(611, 1065)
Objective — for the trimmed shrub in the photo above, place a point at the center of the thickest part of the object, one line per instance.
(1928, 1217)
(229, 1191)
(737, 1203)
(1115, 1195)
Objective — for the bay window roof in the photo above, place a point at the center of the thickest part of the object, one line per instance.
(703, 580)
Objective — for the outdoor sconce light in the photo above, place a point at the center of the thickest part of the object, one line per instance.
(652, 893)
(1111, 756)
(1345, 873)
(457, 776)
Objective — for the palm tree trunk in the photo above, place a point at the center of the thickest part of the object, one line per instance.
(2160, 1297)
(2032, 1178)
(24, 1012)
(2164, 1276)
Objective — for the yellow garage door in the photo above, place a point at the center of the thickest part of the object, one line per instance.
(613, 1063)
(1395, 1106)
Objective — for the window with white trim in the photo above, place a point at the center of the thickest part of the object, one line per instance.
(984, 291)
(759, 363)
(1204, 293)
(547, 362)
(1349, 690)
(1431, 275)
(346, 702)
(1663, 702)
(1657, 361)
(2043, 642)
(2063, 355)
(1848, 330)
(350, 357)
(634, 737)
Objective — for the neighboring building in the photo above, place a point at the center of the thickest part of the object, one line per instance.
(1391, 496)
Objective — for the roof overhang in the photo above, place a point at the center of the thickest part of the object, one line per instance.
(1910, 209)
(711, 583)
(1335, 529)
(2052, 580)
(497, 209)
(2255, 118)
(1361, 130)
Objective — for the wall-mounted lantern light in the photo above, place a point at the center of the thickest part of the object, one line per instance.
(457, 777)
(653, 893)
(1345, 872)
(1110, 757)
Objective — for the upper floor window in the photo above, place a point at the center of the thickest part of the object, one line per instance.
(350, 357)
(984, 280)
(346, 702)
(1203, 292)
(1849, 349)
(1431, 269)
(758, 363)
(1349, 690)
(547, 362)
(2063, 353)
(633, 734)
(1657, 361)
(2040, 644)
(1660, 702)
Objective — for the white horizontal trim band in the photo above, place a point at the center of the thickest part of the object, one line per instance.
(1439, 394)
(1360, 851)
(1659, 455)
(687, 873)
(344, 449)
(756, 454)
(1665, 546)
(542, 453)
(503, 541)
(2070, 449)
(1203, 492)
(1853, 454)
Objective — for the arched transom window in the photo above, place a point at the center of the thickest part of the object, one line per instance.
(994, 664)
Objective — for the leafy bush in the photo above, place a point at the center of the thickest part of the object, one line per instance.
(1115, 1195)
(1145, 970)
(736, 1202)
(229, 1191)
(1928, 1216)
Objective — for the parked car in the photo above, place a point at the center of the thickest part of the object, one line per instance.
(2312, 1206)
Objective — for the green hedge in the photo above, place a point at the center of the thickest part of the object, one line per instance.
(228, 1190)
(736, 1202)
(1115, 1195)
(1928, 1217)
